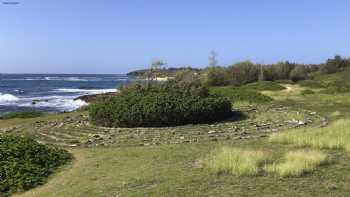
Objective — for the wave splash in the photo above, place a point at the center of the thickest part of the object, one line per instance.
(89, 91)
(7, 98)
(71, 79)
(58, 102)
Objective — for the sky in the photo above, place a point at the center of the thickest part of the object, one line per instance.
(117, 36)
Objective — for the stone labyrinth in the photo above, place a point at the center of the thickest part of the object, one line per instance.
(76, 131)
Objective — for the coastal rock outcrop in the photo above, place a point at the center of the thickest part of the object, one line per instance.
(96, 97)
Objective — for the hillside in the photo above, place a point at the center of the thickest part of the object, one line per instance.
(342, 77)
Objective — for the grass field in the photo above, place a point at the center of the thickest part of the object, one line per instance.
(176, 170)
(297, 163)
(334, 136)
(276, 148)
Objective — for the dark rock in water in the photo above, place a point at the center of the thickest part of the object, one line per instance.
(39, 100)
(96, 97)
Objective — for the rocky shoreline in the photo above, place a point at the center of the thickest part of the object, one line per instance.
(96, 97)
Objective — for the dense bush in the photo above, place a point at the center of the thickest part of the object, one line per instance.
(282, 70)
(264, 85)
(24, 163)
(217, 76)
(247, 72)
(241, 94)
(163, 105)
(299, 73)
(29, 114)
(279, 71)
(334, 65)
(242, 73)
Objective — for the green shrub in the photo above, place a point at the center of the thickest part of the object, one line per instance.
(333, 65)
(311, 84)
(242, 73)
(299, 73)
(28, 114)
(164, 105)
(341, 83)
(24, 163)
(217, 76)
(264, 85)
(307, 92)
(241, 94)
(284, 81)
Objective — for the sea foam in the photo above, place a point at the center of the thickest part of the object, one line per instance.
(7, 98)
(89, 91)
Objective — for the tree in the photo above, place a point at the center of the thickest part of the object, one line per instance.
(217, 76)
(243, 72)
(212, 59)
(282, 70)
(156, 66)
(299, 73)
(333, 65)
(186, 75)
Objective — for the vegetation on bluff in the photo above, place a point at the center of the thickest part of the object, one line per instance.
(24, 163)
(161, 105)
(23, 115)
(241, 94)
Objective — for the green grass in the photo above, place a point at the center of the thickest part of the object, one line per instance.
(177, 170)
(297, 163)
(339, 78)
(311, 84)
(264, 86)
(307, 92)
(335, 136)
(283, 116)
(237, 162)
(241, 94)
(22, 115)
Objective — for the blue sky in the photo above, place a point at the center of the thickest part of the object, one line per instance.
(116, 36)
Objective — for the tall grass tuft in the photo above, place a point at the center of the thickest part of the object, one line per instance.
(335, 136)
(297, 163)
(237, 162)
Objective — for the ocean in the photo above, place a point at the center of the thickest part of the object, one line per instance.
(53, 92)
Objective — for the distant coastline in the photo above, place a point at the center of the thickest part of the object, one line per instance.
(53, 92)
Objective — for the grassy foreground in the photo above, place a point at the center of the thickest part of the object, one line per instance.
(177, 170)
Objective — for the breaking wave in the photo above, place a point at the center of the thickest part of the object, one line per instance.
(88, 91)
(7, 98)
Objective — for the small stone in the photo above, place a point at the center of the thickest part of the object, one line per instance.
(301, 122)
